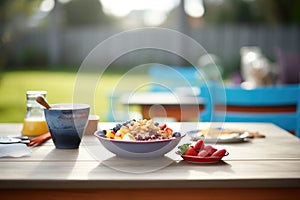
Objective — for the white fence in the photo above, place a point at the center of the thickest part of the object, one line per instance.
(71, 46)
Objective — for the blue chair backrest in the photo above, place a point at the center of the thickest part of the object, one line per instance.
(166, 79)
(285, 97)
(298, 113)
(262, 96)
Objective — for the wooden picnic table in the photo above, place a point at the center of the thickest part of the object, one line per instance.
(165, 104)
(260, 168)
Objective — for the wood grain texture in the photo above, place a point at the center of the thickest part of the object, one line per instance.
(149, 194)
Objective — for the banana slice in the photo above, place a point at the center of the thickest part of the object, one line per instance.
(128, 137)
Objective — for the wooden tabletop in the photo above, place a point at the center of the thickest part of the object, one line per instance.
(261, 163)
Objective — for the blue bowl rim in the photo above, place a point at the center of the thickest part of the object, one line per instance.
(82, 106)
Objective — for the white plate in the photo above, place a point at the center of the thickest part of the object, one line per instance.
(228, 138)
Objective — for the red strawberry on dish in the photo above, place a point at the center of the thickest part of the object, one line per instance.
(210, 149)
(199, 145)
(203, 153)
(191, 151)
(220, 153)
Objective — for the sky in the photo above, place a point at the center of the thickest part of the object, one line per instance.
(155, 11)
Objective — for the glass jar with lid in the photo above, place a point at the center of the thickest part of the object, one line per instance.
(34, 121)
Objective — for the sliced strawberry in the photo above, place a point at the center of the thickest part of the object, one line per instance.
(213, 150)
(219, 153)
(203, 153)
(199, 145)
(210, 149)
(191, 151)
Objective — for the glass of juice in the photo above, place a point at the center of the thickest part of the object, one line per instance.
(34, 121)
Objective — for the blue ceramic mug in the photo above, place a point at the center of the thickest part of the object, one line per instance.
(66, 123)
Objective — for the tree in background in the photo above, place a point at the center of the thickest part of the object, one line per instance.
(78, 13)
(14, 17)
(252, 12)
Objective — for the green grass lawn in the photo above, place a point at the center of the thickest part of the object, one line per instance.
(59, 87)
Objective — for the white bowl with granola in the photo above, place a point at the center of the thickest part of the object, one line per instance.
(139, 139)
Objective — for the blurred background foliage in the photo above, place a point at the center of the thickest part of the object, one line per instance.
(44, 34)
(255, 12)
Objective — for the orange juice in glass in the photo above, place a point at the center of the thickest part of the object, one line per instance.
(34, 122)
(34, 127)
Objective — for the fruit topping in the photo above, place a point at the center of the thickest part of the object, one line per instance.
(141, 130)
(176, 134)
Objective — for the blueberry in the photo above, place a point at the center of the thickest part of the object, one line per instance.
(117, 127)
(102, 133)
(127, 122)
(176, 134)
